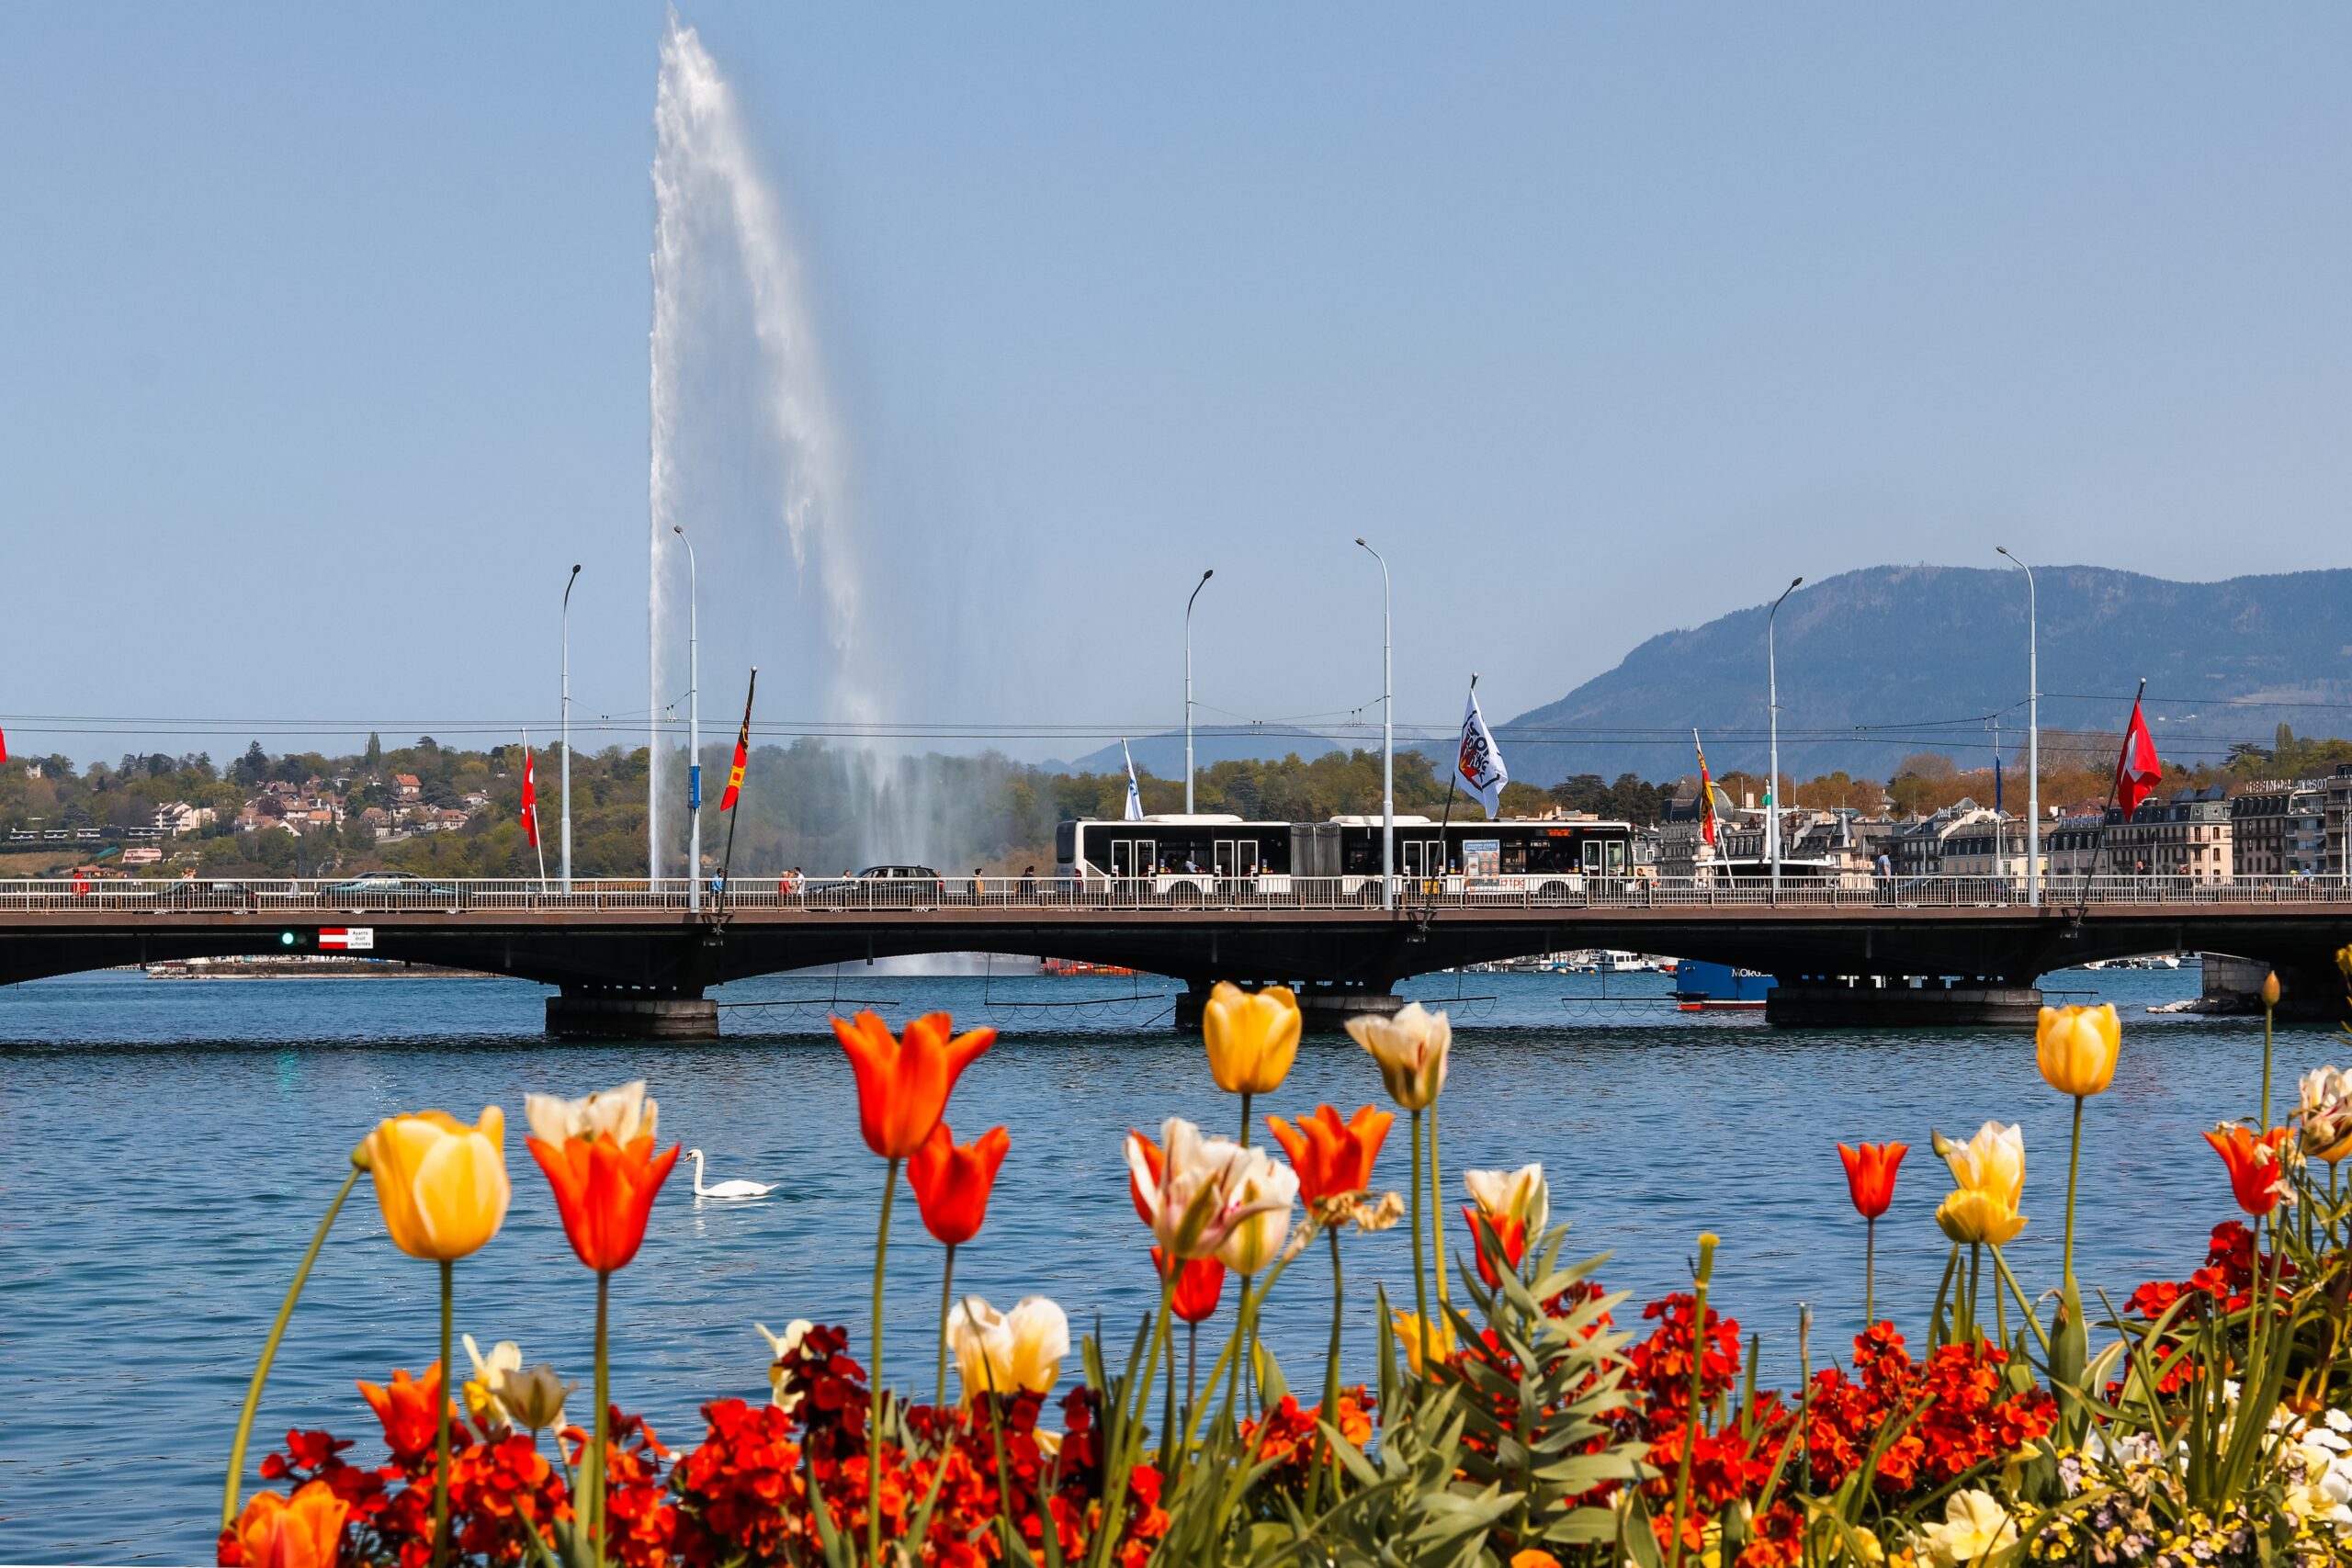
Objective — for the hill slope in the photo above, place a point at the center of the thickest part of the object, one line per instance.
(1919, 653)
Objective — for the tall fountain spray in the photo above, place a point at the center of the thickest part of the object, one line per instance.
(744, 442)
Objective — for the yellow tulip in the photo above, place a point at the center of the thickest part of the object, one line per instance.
(1993, 1162)
(2323, 1119)
(1969, 1215)
(1252, 1037)
(2078, 1048)
(1005, 1352)
(441, 1184)
(1413, 1334)
(1412, 1048)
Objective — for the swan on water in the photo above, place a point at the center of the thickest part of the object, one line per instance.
(726, 1189)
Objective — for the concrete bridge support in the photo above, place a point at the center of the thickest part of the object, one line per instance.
(1323, 1009)
(613, 1012)
(1900, 1002)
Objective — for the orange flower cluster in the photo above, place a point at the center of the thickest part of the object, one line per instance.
(1289, 1436)
(1977, 1413)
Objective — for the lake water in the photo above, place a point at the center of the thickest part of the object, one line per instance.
(167, 1146)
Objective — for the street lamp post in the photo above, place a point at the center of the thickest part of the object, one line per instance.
(1388, 745)
(2032, 736)
(567, 727)
(1204, 582)
(1772, 784)
(694, 726)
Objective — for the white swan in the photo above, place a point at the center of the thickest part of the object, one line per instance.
(726, 1189)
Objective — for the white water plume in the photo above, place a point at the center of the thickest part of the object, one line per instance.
(745, 446)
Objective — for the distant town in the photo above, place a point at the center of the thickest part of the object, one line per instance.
(2284, 810)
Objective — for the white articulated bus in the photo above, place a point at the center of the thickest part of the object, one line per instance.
(1217, 853)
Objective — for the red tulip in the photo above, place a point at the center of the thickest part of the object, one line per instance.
(1508, 1229)
(604, 1193)
(410, 1410)
(2257, 1178)
(953, 1181)
(1869, 1175)
(1199, 1284)
(1154, 1157)
(902, 1085)
(1333, 1159)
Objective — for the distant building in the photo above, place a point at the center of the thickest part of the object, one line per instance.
(141, 854)
(2190, 836)
(1987, 848)
(2280, 828)
(178, 817)
(1920, 849)
(406, 786)
(2337, 823)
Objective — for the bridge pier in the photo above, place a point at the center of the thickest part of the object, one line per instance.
(599, 1012)
(1323, 1009)
(1891, 1000)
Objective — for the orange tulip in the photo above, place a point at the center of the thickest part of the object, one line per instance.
(410, 1409)
(2257, 1178)
(1333, 1159)
(902, 1085)
(1199, 1285)
(604, 1193)
(1509, 1230)
(1869, 1175)
(304, 1533)
(1156, 1161)
(953, 1181)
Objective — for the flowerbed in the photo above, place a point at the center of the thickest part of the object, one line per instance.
(1519, 1412)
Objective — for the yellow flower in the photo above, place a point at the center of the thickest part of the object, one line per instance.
(2344, 960)
(1411, 1047)
(2324, 1117)
(1413, 1333)
(1975, 1528)
(1252, 1037)
(1005, 1352)
(781, 1392)
(624, 1112)
(1988, 1175)
(441, 1184)
(2078, 1048)
(1265, 1191)
(501, 1394)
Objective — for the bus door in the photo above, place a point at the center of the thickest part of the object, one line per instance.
(1221, 858)
(1617, 848)
(1413, 863)
(1433, 856)
(1123, 857)
(1592, 857)
(1147, 856)
(1245, 857)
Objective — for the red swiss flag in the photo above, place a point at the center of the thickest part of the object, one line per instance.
(531, 802)
(2138, 770)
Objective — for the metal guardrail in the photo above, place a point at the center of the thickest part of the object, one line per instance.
(1177, 892)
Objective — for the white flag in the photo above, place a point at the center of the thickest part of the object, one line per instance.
(1134, 792)
(1480, 764)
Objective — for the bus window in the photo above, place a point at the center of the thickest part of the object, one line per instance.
(1592, 856)
(1617, 848)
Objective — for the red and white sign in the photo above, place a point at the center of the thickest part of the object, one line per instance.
(347, 939)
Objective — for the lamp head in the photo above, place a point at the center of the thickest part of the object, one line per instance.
(575, 569)
(1796, 583)
(1206, 575)
(1360, 541)
(678, 529)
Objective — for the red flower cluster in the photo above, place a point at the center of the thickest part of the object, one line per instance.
(1291, 1437)
(2231, 1259)
(1661, 1364)
(1975, 1413)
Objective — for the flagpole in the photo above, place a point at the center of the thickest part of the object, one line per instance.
(1772, 784)
(727, 856)
(567, 727)
(2082, 893)
(1453, 778)
(535, 841)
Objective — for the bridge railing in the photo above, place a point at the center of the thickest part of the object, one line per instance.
(331, 897)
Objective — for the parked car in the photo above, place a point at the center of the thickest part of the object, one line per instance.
(389, 885)
(193, 895)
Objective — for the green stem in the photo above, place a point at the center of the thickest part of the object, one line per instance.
(1245, 1118)
(946, 1297)
(603, 1424)
(2266, 1010)
(277, 1332)
(1420, 1282)
(2016, 1294)
(1331, 1376)
(874, 1373)
(2074, 1170)
(441, 1439)
(1976, 1275)
(1691, 1427)
(1870, 1270)
(1437, 1217)
(1193, 1368)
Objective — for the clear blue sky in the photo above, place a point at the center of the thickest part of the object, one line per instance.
(325, 338)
